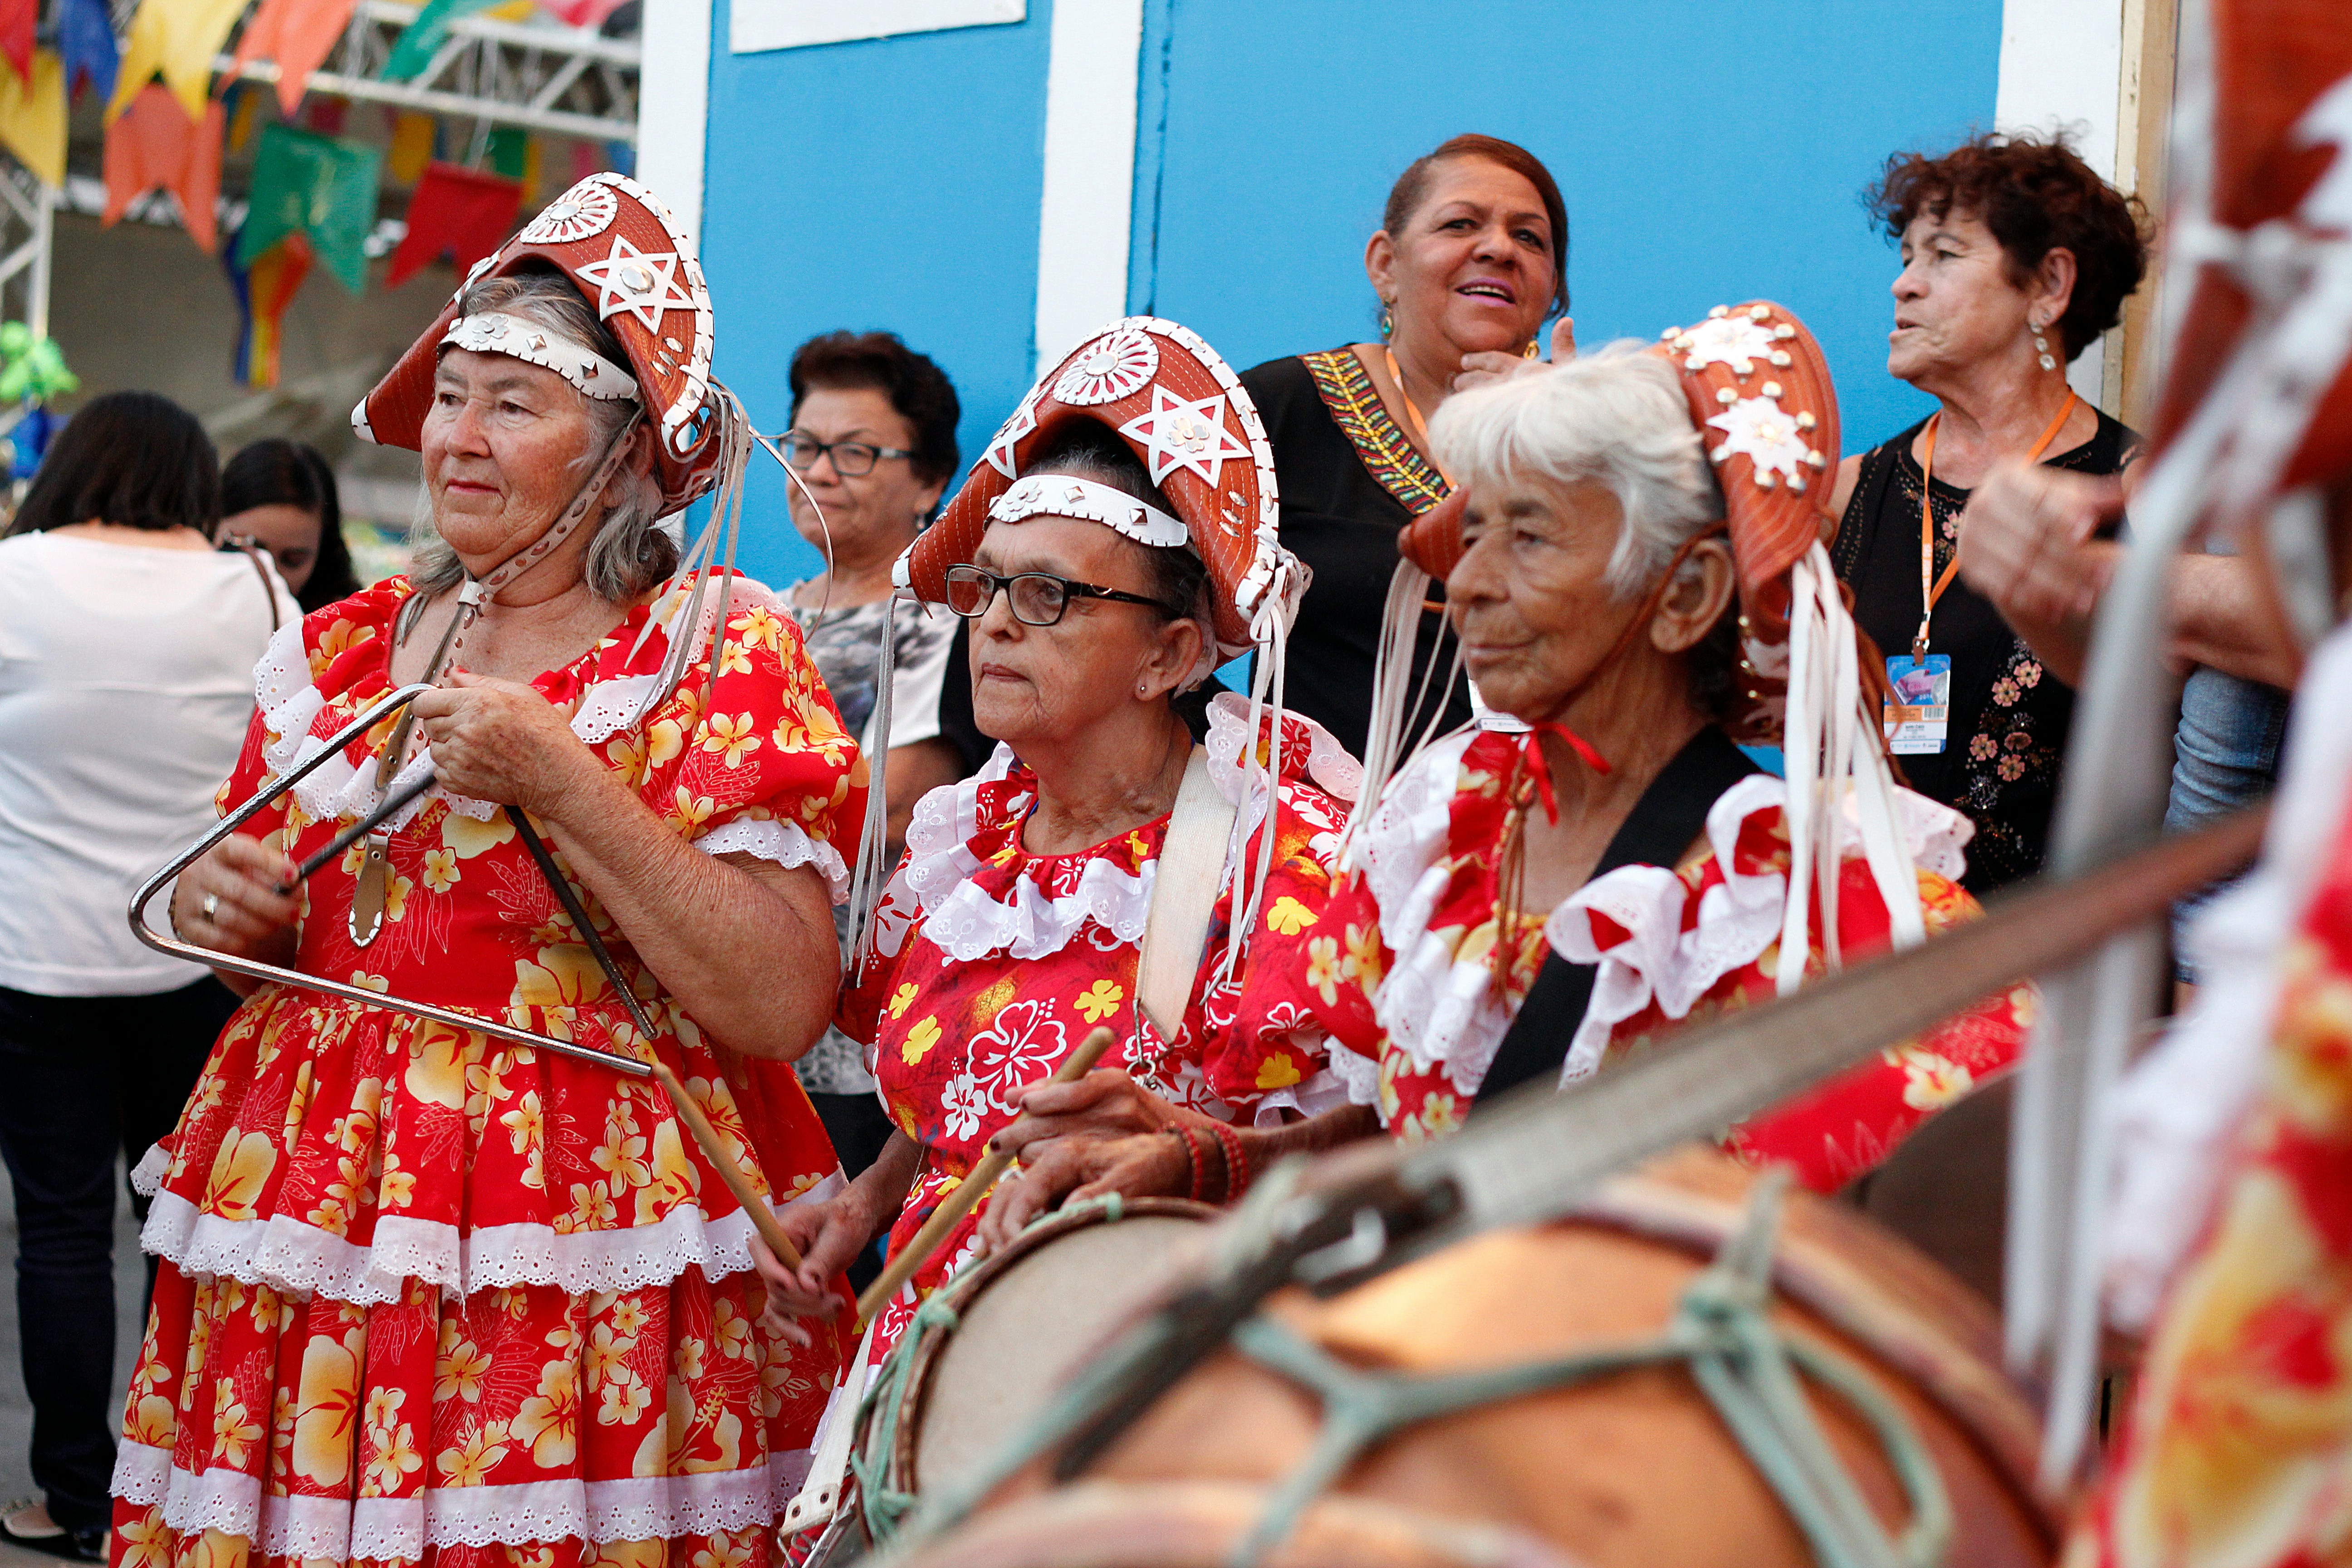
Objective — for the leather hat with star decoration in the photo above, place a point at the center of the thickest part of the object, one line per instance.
(1177, 403)
(1761, 398)
(625, 254)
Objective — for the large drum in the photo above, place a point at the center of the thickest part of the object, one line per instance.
(1022, 1321)
(1635, 1469)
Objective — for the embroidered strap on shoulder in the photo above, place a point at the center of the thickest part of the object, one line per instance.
(268, 589)
(1183, 896)
(1347, 390)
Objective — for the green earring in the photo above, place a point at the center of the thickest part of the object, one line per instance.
(1388, 323)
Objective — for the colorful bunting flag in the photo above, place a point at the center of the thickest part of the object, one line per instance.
(321, 186)
(414, 50)
(155, 143)
(328, 115)
(508, 151)
(33, 118)
(263, 291)
(585, 162)
(414, 138)
(86, 39)
(16, 20)
(620, 157)
(178, 38)
(243, 99)
(298, 34)
(459, 211)
(581, 12)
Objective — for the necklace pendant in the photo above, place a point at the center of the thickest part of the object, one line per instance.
(368, 891)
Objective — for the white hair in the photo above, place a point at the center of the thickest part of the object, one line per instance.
(1616, 418)
(630, 553)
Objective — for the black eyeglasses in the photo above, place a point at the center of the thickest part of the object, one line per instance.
(1038, 598)
(851, 459)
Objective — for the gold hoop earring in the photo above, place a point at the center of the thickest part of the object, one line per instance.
(1529, 352)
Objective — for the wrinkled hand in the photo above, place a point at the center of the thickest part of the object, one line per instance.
(2024, 540)
(1084, 1138)
(829, 1235)
(1492, 366)
(250, 917)
(501, 741)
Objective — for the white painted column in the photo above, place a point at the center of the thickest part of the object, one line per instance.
(1090, 200)
(674, 106)
(2061, 67)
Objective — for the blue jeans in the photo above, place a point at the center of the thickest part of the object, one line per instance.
(2225, 756)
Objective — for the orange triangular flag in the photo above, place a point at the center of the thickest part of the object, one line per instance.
(154, 142)
(298, 34)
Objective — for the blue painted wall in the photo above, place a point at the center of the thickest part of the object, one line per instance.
(1707, 150)
(891, 183)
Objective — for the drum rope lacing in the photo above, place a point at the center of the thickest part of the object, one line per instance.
(1745, 1365)
(886, 1507)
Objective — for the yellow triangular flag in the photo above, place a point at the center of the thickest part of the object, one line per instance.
(179, 38)
(411, 146)
(33, 118)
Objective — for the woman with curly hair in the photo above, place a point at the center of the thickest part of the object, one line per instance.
(2016, 257)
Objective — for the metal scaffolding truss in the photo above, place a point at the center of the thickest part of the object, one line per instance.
(572, 81)
(24, 209)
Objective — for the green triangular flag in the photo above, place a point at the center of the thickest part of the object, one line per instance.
(412, 50)
(321, 187)
(509, 152)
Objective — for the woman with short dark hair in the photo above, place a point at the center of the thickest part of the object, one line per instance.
(1470, 259)
(873, 439)
(281, 496)
(127, 647)
(2016, 257)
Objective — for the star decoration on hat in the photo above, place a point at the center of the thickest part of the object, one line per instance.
(1758, 428)
(1023, 420)
(1178, 434)
(642, 283)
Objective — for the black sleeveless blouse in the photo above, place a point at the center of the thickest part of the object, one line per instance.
(2010, 716)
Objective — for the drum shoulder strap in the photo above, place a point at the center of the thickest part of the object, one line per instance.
(1183, 896)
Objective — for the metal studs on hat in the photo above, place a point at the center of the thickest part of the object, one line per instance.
(2035, 325)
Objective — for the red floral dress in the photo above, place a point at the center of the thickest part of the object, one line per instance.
(427, 1296)
(1403, 968)
(990, 964)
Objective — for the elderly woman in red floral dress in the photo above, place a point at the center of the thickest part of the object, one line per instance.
(1135, 547)
(1531, 900)
(429, 1296)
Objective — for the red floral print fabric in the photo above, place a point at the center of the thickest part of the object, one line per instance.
(990, 964)
(1417, 1005)
(428, 1296)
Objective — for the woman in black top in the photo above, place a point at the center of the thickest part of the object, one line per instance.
(2016, 257)
(1472, 256)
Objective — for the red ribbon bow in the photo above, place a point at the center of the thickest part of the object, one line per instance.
(1539, 768)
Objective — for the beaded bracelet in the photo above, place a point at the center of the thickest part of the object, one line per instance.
(1237, 1163)
(1191, 1159)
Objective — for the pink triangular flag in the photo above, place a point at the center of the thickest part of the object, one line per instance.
(298, 34)
(154, 142)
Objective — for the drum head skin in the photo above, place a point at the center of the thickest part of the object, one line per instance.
(1037, 1311)
(1197, 1524)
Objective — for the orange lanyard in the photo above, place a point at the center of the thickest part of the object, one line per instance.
(1412, 412)
(1931, 587)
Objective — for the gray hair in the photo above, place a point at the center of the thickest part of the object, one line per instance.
(1616, 418)
(631, 553)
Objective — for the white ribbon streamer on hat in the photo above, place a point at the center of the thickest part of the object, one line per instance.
(1059, 495)
(495, 333)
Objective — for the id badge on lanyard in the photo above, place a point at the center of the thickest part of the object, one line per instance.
(1918, 704)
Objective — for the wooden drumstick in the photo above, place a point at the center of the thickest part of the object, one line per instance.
(976, 1184)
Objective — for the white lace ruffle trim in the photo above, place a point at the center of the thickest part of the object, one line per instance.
(1657, 960)
(286, 1255)
(966, 922)
(1438, 1007)
(652, 1508)
(291, 702)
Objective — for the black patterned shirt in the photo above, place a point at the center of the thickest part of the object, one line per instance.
(2010, 716)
